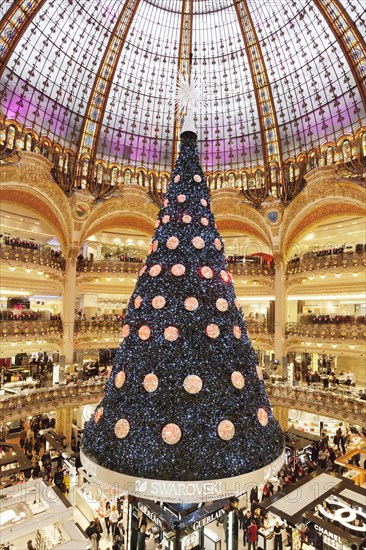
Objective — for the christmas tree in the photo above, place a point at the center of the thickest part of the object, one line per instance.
(185, 399)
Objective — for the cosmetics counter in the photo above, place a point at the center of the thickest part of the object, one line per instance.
(325, 512)
(34, 511)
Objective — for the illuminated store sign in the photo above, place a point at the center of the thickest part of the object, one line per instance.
(181, 491)
(329, 538)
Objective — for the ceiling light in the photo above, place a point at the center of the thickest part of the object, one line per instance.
(12, 268)
(310, 278)
(108, 279)
(354, 274)
(337, 275)
(322, 276)
(40, 272)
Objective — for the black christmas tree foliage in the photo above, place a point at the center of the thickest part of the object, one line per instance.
(185, 399)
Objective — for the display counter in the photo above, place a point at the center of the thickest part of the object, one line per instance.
(35, 511)
(266, 534)
(91, 498)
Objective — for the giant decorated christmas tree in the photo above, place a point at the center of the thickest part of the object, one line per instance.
(185, 399)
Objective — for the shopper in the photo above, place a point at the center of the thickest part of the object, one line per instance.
(113, 520)
(142, 535)
(107, 513)
(277, 536)
(252, 535)
(245, 522)
(289, 535)
(58, 478)
(91, 534)
(30, 545)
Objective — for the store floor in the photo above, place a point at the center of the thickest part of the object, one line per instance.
(106, 540)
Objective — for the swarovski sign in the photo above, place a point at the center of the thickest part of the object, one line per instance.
(181, 491)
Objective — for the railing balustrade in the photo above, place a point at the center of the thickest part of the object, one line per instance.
(345, 405)
(326, 330)
(315, 263)
(26, 255)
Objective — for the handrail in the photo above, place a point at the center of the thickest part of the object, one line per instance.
(15, 331)
(343, 331)
(341, 404)
(314, 263)
(108, 266)
(37, 257)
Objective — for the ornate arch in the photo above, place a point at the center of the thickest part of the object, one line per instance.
(132, 210)
(29, 184)
(323, 198)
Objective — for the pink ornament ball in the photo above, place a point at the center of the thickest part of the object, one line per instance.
(225, 276)
(237, 303)
(191, 303)
(198, 243)
(171, 434)
(158, 302)
(120, 379)
(172, 243)
(181, 198)
(186, 218)
(121, 428)
(166, 202)
(197, 178)
(125, 331)
(177, 179)
(218, 244)
(98, 415)
(192, 384)
(166, 219)
(155, 245)
(137, 302)
(144, 332)
(222, 304)
(155, 270)
(204, 222)
(151, 382)
(237, 332)
(212, 331)
(226, 430)
(259, 372)
(237, 380)
(206, 272)
(178, 270)
(203, 202)
(142, 270)
(171, 334)
(262, 417)
(157, 223)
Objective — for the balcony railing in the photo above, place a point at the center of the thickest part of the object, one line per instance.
(37, 257)
(334, 404)
(251, 270)
(326, 330)
(14, 331)
(346, 406)
(345, 260)
(101, 328)
(109, 266)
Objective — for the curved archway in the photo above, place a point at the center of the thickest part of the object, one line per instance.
(45, 208)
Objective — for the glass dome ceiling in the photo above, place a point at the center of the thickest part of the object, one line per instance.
(279, 76)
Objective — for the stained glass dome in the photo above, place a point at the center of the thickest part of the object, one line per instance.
(279, 77)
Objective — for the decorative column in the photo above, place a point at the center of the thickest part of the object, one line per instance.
(281, 415)
(280, 313)
(63, 424)
(68, 311)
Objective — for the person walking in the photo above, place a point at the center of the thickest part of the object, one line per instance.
(252, 535)
(113, 520)
(277, 536)
(107, 513)
(245, 523)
